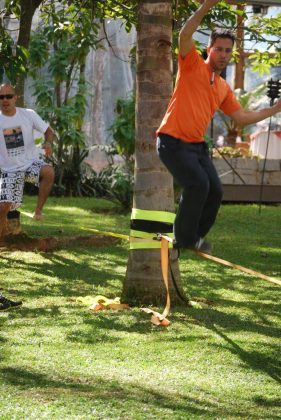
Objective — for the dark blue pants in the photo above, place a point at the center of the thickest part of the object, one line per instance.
(191, 166)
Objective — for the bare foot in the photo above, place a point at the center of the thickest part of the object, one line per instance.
(38, 216)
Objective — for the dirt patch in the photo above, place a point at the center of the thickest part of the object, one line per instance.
(22, 242)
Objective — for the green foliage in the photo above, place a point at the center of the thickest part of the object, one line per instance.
(248, 99)
(69, 171)
(229, 152)
(114, 182)
(12, 58)
(118, 185)
(262, 62)
(13, 7)
(114, 9)
(258, 29)
(209, 142)
(123, 129)
(61, 45)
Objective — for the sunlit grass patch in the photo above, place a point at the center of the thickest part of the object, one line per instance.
(60, 360)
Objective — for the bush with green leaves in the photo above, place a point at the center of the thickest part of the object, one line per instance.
(58, 52)
(114, 182)
(12, 57)
(123, 130)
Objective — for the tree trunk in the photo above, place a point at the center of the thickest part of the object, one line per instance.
(240, 65)
(153, 184)
(28, 8)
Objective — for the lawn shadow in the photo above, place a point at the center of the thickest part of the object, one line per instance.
(79, 274)
(218, 322)
(256, 313)
(102, 323)
(99, 389)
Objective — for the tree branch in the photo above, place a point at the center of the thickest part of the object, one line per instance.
(111, 46)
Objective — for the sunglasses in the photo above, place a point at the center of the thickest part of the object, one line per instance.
(8, 96)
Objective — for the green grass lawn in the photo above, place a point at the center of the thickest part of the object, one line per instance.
(60, 361)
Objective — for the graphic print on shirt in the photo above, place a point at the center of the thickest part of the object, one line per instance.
(14, 141)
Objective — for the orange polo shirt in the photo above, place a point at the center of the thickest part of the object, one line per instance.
(195, 100)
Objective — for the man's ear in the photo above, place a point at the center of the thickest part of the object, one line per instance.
(208, 50)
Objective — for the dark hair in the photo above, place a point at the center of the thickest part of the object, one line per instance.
(221, 33)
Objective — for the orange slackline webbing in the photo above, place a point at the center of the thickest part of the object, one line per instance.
(160, 319)
(156, 317)
(202, 254)
(229, 264)
(239, 267)
(164, 266)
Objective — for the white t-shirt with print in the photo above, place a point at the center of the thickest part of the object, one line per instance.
(17, 147)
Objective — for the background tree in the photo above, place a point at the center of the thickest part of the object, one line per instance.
(260, 28)
(55, 59)
(12, 57)
(24, 11)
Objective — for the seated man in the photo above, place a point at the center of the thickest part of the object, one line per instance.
(19, 156)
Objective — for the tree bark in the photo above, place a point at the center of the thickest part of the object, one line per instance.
(240, 65)
(153, 184)
(28, 8)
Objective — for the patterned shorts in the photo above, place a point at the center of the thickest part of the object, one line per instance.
(12, 183)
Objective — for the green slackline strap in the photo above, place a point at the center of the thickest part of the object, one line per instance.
(141, 234)
(145, 243)
(146, 240)
(153, 215)
(135, 242)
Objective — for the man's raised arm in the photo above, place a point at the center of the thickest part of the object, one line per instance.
(187, 31)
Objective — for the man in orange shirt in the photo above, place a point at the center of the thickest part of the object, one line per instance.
(199, 92)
